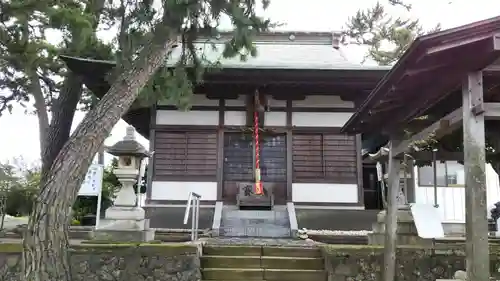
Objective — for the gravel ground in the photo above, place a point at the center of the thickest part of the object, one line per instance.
(339, 232)
(12, 222)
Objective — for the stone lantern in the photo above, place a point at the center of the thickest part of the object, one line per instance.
(130, 154)
(125, 218)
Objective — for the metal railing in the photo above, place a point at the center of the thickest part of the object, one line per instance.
(194, 200)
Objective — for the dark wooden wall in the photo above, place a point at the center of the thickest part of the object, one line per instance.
(324, 158)
(185, 156)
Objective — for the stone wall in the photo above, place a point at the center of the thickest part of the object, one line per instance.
(124, 262)
(365, 263)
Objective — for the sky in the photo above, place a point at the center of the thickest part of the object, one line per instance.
(19, 132)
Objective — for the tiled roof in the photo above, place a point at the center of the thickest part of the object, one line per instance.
(281, 50)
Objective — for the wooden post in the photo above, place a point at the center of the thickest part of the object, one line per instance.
(477, 249)
(391, 219)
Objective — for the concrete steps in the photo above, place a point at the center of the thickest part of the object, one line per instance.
(255, 223)
(234, 263)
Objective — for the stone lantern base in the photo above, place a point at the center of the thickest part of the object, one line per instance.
(124, 224)
(406, 233)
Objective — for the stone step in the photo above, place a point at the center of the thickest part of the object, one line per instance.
(255, 223)
(263, 274)
(243, 250)
(232, 250)
(255, 231)
(291, 252)
(249, 214)
(262, 262)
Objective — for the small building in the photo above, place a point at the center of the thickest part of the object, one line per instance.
(423, 96)
(448, 195)
(308, 168)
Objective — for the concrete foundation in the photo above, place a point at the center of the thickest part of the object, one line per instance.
(124, 224)
(124, 235)
(406, 230)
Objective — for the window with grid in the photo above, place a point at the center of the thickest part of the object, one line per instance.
(273, 158)
(324, 157)
(238, 157)
(192, 155)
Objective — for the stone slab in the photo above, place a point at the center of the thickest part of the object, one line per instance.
(232, 274)
(230, 262)
(123, 235)
(125, 213)
(307, 263)
(294, 275)
(232, 250)
(291, 252)
(255, 223)
(135, 225)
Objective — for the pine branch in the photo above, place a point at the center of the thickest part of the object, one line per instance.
(5, 102)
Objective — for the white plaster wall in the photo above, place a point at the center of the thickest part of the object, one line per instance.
(320, 119)
(323, 101)
(451, 200)
(193, 117)
(324, 193)
(275, 118)
(172, 190)
(235, 118)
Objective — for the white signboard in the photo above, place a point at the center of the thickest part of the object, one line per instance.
(427, 220)
(379, 172)
(92, 186)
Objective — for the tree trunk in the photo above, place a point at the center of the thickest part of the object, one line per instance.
(40, 107)
(45, 256)
(59, 129)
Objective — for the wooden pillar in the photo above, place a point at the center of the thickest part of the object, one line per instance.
(477, 249)
(151, 164)
(220, 150)
(391, 219)
(289, 151)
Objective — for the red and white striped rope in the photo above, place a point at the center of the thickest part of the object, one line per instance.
(258, 187)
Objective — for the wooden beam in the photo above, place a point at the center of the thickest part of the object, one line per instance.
(391, 219)
(492, 110)
(439, 129)
(424, 156)
(457, 43)
(476, 223)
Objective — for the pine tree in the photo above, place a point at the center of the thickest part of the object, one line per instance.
(386, 37)
(30, 72)
(147, 36)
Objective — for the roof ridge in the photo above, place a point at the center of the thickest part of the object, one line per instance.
(289, 37)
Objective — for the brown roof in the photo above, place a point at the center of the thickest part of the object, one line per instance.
(430, 70)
